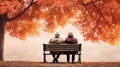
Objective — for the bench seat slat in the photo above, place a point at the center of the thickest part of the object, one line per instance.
(60, 54)
(62, 47)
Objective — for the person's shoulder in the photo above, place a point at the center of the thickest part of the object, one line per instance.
(61, 38)
(75, 38)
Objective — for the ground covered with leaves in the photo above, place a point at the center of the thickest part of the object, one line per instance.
(61, 64)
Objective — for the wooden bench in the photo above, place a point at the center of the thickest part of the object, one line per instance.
(61, 47)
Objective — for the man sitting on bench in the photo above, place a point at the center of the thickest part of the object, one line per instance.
(56, 40)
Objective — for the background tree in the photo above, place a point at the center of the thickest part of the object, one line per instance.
(97, 20)
(10, 10)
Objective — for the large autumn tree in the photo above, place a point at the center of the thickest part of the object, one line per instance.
(97, 20)
(10, 10)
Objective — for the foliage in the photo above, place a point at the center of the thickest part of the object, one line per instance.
(97, 20)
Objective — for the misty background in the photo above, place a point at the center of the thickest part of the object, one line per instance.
(32, 49)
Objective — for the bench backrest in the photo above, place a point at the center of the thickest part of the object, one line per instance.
(62, 47)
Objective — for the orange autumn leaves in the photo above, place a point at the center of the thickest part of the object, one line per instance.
(57, 12)
(22, 29)
(101, 21)
(24, 25)
(11, 7)
(97, 20)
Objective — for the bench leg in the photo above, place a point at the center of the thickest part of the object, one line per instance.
(44, 58)
(79, 58)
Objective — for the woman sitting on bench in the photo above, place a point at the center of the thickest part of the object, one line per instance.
(70, 40)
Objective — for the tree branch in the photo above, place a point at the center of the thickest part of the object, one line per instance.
(91, 2)
(101, 13)
(84, 5)
(9, 19)
(81, 1)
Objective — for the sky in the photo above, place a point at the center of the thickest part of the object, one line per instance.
(32, 48)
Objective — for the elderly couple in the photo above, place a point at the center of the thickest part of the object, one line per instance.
(70, 40)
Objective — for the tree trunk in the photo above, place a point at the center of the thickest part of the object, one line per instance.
(2, 28)
(3, 20)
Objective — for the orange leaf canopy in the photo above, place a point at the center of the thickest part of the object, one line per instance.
(97, 20)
